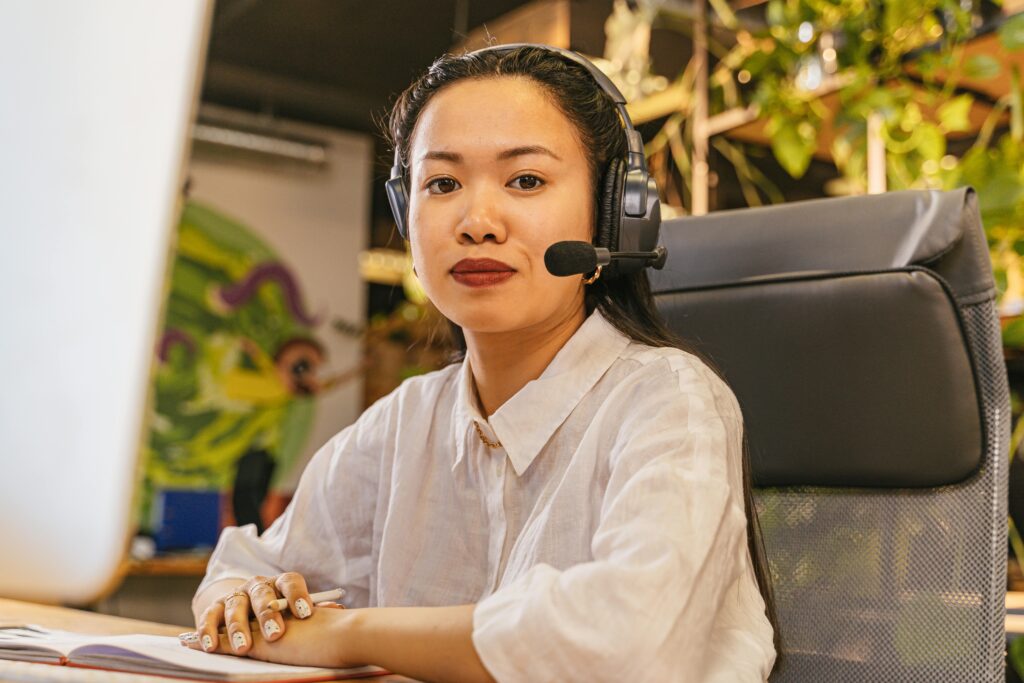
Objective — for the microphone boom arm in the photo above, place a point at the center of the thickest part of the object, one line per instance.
(658, 256)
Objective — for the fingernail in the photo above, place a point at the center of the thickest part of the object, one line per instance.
(302, 607)
(270, 628)
(189, 637)
(207, 643)
(238, 640)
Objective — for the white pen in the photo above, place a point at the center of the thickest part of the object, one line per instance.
(281, 604)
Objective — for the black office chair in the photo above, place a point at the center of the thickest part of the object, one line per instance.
(861, 338)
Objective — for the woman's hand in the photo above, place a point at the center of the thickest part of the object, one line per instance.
(424, 643)
(313, 641)
(252, 597)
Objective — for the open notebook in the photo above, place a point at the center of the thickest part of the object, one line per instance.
(160, 655)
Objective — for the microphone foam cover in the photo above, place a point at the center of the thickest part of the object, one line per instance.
(570, 258)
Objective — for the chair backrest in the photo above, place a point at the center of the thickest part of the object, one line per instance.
(861, 338)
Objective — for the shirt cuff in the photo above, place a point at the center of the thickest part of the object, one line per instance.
(498, 631)
(497, 652)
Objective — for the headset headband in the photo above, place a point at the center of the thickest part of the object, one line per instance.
(635, 156)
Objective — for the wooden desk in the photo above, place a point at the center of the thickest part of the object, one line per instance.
(156, 590)
(17, 612)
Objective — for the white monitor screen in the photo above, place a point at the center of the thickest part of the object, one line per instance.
(95, 109)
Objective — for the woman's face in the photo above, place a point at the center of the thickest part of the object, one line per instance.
(497, 172)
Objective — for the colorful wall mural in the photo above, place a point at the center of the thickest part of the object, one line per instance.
(238, 372)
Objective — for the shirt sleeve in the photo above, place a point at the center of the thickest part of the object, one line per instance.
(325, 533)
(666, 548)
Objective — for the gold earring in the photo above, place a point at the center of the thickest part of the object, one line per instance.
(590, 280)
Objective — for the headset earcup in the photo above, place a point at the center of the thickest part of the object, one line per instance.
(609, 212)
(399, 201)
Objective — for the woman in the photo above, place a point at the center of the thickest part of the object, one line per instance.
(569, 501)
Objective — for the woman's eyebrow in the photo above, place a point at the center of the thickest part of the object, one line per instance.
(510, 153)
(526, 149)
(454, 157)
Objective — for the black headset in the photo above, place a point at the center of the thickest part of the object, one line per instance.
(629, 211)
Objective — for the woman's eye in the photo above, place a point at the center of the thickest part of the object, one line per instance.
(442, 185)
(527, 182)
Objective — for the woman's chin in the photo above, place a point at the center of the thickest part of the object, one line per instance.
(485, 322)
(505, 313)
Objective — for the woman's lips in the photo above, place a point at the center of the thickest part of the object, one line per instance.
(482, 272)
(483, 278)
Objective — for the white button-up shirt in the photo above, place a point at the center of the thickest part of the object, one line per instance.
(604, 540)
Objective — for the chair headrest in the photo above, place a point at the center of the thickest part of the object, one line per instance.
(845, 328)
(863, 233)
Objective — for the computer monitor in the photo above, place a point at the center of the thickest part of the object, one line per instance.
(95, 109)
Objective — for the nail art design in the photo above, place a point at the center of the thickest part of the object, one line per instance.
(189, 637)
(270, 628)
(238, 640)
(302, 608)
(207, 643)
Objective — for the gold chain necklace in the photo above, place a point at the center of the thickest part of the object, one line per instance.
(487, 442)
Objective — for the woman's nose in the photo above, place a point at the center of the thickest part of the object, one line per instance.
(481, 220)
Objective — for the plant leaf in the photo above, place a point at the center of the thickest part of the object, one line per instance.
(953, 114)
(931, 143)
(792, 150)
(999, 196)
(1011, 33)
(1013, 337)
(981, 67)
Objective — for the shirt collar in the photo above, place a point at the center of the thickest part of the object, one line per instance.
(526, 421)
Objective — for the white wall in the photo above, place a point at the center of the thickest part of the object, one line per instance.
(318, 222)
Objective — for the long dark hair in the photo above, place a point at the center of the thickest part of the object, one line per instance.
(626, 301)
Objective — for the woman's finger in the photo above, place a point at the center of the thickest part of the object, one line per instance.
(261, 594)
(293, 587)
(191, 641)
(236, 622)
(209, 623)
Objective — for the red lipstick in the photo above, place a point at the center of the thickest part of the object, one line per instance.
(484, 272)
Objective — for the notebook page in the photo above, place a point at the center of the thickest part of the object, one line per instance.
(24, 671)
(162, 651)
(29, 638)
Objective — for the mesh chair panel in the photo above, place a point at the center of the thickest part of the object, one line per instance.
(898, 585)
(877, 580)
